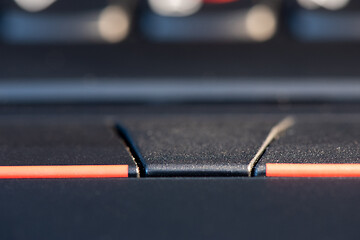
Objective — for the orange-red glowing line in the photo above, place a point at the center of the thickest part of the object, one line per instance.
(312, 170)
(66, 171)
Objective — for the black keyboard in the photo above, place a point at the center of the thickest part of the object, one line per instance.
(179, 119)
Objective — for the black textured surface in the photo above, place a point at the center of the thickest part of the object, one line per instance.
(60, 141)
(198, 144)
(326, 138)
(172, 208)
(180, 209)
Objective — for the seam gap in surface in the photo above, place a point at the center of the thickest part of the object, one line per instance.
(133, 150)
(275, 131)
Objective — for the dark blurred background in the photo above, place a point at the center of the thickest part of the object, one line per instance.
(179, 50)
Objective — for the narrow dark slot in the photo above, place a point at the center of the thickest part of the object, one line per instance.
(125, 136)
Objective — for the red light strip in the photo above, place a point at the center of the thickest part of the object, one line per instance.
(66, 171)
(312, 170)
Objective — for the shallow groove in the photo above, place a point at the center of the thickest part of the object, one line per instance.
(134, 151)
(275, 131)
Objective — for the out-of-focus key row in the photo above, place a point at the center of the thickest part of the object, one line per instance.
(100, 21)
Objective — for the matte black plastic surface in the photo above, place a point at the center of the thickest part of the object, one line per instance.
(198, 144)
(60, 141)
(236, 208)
(322, 138)
(171, 208)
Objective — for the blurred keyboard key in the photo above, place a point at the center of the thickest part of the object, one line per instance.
(48, 21)
(326, 21)
(209, 21)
